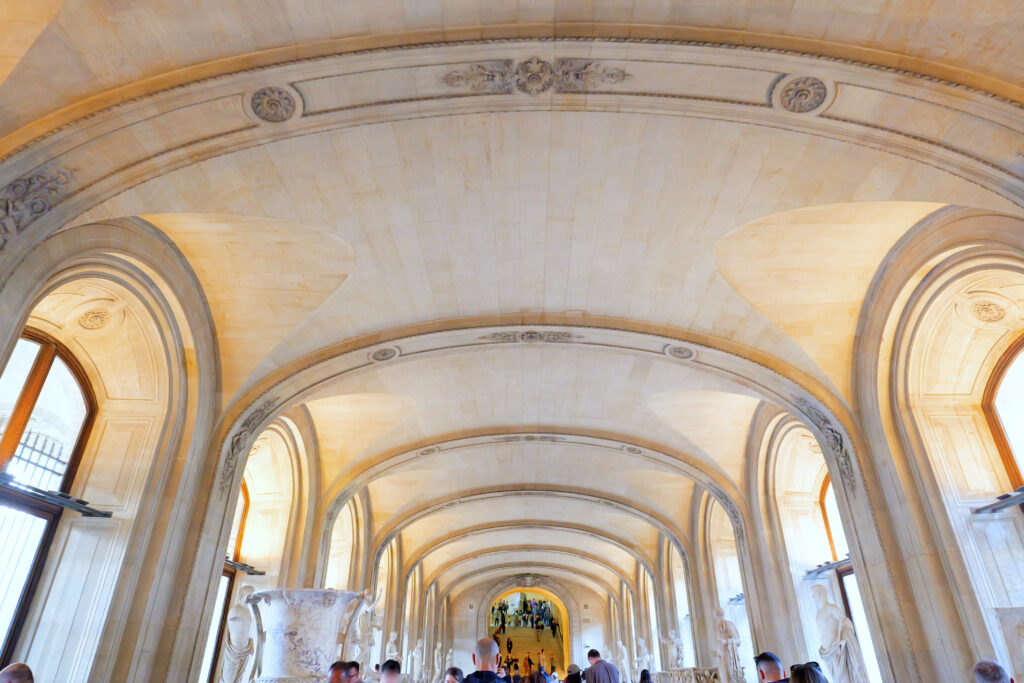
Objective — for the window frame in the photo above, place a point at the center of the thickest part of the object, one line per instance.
(232, 576)
(824, 515)
(995, 424)
(49, 350)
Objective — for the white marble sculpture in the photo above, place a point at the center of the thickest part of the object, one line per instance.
(449, 660)
(625, 671)
(677, 647)
(364, 632)
(237, 646)
(438, 673)
(839, 648)
(416, 661)
(391, 649)
(298, 632)
(728, 654)
(644, 660)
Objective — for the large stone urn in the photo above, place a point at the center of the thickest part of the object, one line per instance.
(298, 633)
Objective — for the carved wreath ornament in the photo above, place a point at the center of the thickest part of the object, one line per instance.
(803, 94)
(534, 76)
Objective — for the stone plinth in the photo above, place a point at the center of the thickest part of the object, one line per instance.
(298, 633)
(687, 675)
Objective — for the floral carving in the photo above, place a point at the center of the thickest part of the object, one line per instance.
(242, 437)
(803, 94)
(530, 337)
(988, 311)
(534, 76)
(28, 198)
(273, 104)
(94, 319)
(833, 441)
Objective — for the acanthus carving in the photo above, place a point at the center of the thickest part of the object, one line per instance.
(534, 76)
(242, 437)
(833, 441)
(530, 337)
(28, 198)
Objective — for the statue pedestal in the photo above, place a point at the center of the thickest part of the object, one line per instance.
(688, 675)
(298, 633)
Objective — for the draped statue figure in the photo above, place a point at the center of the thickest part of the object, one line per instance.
(238, 645)
(449, 660)
(678, 648)
(438, 673)
(729, 668)
(644, 660)
(623, 657)
(416, 661)
(839, 647)
(391, 649)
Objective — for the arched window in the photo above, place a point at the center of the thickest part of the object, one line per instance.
(830, 515)
(1003, 403)
(226, 585)
(46, 408)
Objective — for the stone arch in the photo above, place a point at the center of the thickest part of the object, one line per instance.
(543, 584)
(823, 412)
(148, 286)
(937, 435)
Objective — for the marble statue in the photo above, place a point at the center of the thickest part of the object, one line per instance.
(416, 661)
(678, 648)
(391, 649)
(364, 623)
(839, 648)
(449, 660)
(727, 652)
(238, 645)
(645, 660)
(438, 674)
(625, 673)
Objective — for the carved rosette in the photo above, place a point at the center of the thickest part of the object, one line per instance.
(94, 319)
(272, 104)
(987, 311)
(803, 94)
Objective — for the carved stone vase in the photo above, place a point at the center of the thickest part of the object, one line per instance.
(298, 633)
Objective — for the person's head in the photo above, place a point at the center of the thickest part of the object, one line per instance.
(593, 656)
(807, 673)
(376, 667)
(537, 677)
(16, 673)
(453, 675)
(987, 671)
(338, 673)
(390, 672)
(486, 655)
(769, 667)
(353, 672)
(645, 676)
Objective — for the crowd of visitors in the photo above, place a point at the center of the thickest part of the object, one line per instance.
(771, 670)
(530, 613)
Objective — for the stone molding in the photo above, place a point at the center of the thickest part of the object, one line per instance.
(820, 96)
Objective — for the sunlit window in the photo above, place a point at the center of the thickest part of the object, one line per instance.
(225, 587)
(1009, 409)
(44, 412)
(833, 525)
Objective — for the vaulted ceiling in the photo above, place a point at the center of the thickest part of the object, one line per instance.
(678, 212)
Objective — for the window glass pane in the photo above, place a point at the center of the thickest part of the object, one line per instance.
(14, 376)
(835, 523)
(42, 456)
(861, 626)
(22, 533)
(1009, 405)
(215, 627)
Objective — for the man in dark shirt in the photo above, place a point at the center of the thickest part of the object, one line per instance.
(769, 668)
(486, 659)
